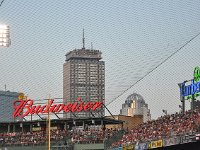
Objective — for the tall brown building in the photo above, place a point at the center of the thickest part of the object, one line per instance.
(84, 78)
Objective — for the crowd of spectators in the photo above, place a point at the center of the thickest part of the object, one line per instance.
(92, 135)
(164, 127)
(41, 137)
(28, 138)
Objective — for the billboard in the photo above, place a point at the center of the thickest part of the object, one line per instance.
(142, 146)
(156, 144)
(193, 89)
(23, 108)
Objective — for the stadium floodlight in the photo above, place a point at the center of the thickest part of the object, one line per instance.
(4, 36)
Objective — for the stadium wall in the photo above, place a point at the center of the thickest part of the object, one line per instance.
(99, 146)
(23, 148)
(182, 142)
(186, 146)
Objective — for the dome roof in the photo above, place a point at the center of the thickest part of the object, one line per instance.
(136, 97)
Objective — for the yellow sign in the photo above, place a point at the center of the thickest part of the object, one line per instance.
(124, 147)
(128, 147)
(156, 144)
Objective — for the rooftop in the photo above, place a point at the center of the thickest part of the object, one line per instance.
(83, 54)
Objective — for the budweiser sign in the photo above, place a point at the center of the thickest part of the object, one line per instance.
(23, 108)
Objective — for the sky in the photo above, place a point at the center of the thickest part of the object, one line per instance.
(133, 36)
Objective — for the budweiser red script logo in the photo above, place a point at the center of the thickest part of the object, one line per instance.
(23, 108)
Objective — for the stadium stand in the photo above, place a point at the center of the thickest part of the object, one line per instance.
(165, 127)
(165, 131)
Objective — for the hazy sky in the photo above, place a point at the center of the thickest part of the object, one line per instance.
(134, 37)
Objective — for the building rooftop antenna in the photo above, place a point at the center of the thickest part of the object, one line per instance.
(83, 40)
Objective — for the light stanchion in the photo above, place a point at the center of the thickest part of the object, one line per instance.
(48, 128)
(5, 36)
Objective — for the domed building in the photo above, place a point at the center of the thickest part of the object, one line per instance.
(135, 105)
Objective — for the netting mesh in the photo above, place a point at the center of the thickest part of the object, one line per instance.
(134, 37)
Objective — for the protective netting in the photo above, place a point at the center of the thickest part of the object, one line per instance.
(134, 37)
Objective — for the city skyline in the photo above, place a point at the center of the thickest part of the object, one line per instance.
(134, 37)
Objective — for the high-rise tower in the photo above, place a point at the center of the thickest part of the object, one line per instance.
(84, 78)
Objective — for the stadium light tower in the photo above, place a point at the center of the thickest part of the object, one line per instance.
(5, 36)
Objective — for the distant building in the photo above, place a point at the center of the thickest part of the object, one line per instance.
(129, 122)
(84, 78)
(6, 105)
(135, 105)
